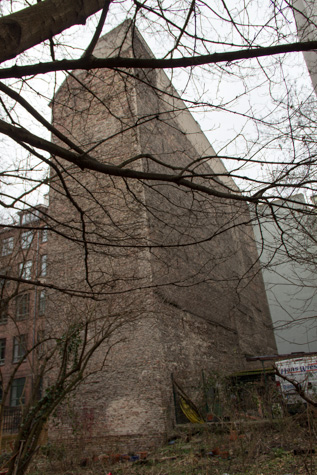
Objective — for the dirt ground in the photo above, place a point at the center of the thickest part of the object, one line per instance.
(278, 447)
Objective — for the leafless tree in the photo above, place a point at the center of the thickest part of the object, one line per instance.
(237, 65)
(253, 52)
(239, 53)
(52, 357)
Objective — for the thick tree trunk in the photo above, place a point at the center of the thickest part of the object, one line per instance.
(29, 27)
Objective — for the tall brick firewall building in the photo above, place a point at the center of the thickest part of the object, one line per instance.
(178, 267)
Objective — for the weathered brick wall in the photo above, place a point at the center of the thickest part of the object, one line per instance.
(224, 262)
(169, 264)
(124, 399)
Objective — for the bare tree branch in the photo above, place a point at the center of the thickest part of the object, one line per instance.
(90, 62)
(297, 386)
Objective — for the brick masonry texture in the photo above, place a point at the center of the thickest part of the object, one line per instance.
(177, 270)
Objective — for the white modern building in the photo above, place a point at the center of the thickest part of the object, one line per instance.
(285, 237)
(305, 13)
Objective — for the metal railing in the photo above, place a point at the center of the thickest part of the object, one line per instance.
(11, 420)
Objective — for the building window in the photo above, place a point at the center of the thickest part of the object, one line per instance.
(2, 350)
(44, 234)
(22, 303)
(26, 239)
(43, 265)
(40, 343)
(19, 348)
(7, 246)
(3, 280)
(3, 312)
(25, 270)
(42, 297)
(39, 394)
(17, 397)
(29, 217)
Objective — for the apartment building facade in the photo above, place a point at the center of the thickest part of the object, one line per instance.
(23, 258)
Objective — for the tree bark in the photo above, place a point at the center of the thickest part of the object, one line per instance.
(30, 26)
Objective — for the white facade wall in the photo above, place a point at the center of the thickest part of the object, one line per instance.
(305, 13)
(288, 264)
